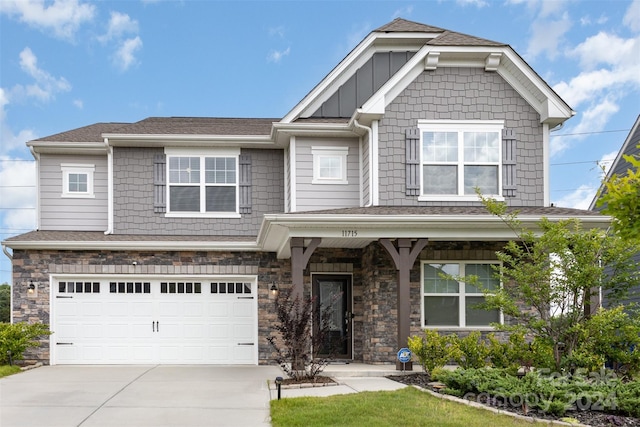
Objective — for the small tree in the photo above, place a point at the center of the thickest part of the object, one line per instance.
(297, 344)
(5, 303)
(620, 198)
(549, 278)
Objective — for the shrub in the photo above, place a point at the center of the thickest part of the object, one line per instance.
(5, 303)
(297, 344)
(473, 351)
(433, 350)
(17, 337)
(611, 335)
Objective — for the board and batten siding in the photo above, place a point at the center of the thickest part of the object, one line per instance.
(312, 197)
(71, 213)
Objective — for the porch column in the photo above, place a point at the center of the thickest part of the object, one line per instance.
(403, 257)
(299, 260)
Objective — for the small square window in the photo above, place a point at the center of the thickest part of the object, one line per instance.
(330, 165)
(77, 180)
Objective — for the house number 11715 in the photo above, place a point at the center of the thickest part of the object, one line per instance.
(349, 233)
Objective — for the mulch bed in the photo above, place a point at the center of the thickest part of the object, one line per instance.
(588, 417)
(309, 382)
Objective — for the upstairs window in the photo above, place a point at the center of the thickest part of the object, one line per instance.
(447, 302)
(77, 180)
(457, 157)
(330, 165)
(203, 184)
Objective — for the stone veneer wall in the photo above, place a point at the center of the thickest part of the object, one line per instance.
(36, 266)
(374, 284)
(380, 293)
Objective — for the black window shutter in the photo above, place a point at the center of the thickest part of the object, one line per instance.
(245, 183)
(159, 184)
(508, 162)
(412, 161)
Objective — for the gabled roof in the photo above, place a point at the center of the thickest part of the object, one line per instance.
(433, 47)
(619, 165)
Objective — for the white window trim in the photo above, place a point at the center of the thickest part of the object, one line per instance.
(335, 152)
(73, 168)
(461, 294)
(461, 126)
(202, 154)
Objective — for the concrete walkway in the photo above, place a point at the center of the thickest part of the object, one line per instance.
(162, 396)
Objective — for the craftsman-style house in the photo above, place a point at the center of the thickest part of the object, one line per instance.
(161, 241)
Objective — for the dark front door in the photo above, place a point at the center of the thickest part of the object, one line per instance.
(333, 303)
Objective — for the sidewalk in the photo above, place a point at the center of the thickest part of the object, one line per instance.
(350, 378)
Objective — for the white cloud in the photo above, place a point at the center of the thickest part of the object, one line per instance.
(632, 17)
(594, 119)
(605, 48)
(10, 141)
(277, 55)
(45, 86)
(477, 3)
(124, 56)
(578, 199)
(547, 36)
(18, 192)
(606, 161)
(62, 18)
(403, 12)
(277, 31)
(78, 103)
(119, 25)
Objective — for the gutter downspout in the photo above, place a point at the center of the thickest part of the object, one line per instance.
(109, 187)
(36, 156)
(371, 172)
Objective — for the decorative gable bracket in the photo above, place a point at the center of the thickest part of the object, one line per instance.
(431, 61)
(492, 61)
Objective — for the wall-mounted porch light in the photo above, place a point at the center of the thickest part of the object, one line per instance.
(32, 290)
(273, 289)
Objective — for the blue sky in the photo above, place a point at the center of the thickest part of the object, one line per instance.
(69, 63)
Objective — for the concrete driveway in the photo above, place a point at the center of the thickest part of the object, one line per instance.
(140, 396)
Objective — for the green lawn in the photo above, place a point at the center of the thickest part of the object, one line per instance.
(405, 407)
(6, 370)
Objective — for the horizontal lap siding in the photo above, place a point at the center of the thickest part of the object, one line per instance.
(309, 196)
(66, 213)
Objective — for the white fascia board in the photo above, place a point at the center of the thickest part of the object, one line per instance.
(553, 110)
(373, 43)
(75, 147)
(339, 70)
(167, 139)
(134, 245)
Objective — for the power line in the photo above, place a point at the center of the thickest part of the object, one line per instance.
(591, 133)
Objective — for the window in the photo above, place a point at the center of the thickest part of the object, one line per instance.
(448, 302)
(203, 184)
(77, 180)
(458, 156)
(329, 165)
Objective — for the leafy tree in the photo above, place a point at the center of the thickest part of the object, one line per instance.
(620, 198)
(549, 277)
(5, 303)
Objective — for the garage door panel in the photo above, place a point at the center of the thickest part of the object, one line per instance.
(118, 325)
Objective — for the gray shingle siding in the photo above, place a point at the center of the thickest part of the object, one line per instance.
(134, 204)
(460, 94)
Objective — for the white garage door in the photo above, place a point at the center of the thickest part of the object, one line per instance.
(146, 321)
